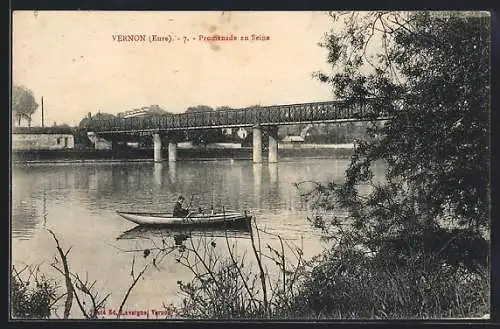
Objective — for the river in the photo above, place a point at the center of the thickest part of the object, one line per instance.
(78, 203)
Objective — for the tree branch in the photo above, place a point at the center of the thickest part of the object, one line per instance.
(69, 285)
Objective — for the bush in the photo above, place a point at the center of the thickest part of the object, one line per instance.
(353, 284)
(33, 297)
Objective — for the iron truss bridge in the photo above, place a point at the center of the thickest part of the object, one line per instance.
(319, 112)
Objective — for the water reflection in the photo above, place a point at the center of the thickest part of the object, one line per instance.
(29, 200)
(25, 214)
(180, 235)
(158, 170)
(257, 183)
(264, 189)
(273, 173)
(172, 172)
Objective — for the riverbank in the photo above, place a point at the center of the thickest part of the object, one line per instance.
(183, 154)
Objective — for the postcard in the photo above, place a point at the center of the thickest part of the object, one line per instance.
(250, 165)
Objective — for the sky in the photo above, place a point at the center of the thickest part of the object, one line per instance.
(73, 60)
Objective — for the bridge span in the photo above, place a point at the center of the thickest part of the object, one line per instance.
(268, 117)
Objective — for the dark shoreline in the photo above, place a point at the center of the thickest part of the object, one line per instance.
(201, 154)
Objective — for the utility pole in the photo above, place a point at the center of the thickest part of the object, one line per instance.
(42, 113)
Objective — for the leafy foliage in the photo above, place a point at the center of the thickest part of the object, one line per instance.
(204, 136)
(33, 295)
(223, 108)
(348, 284)
(23, 103)
(429, 215)
(432, 78)
(98, 116)
(199, 108)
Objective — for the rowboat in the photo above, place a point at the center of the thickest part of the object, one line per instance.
(220, 220)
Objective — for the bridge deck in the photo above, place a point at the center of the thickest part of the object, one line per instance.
(322, 112)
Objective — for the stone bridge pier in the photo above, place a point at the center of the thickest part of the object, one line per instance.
(158, 146)
(272, 132)
(172, 151)
(257, 144)
(273, 144)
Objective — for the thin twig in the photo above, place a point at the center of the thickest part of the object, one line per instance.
(238, 269)
(69, 284)
(130, 289)
(262, 275)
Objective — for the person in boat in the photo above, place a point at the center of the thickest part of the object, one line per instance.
(179, 211)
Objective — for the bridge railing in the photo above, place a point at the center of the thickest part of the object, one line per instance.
(277, 114)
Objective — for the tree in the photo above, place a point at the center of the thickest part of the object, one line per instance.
(223, 108)
(423, 227)
(199, 108)
(103, 116)
(98, 116)
(157, 110)
(23, 103)
(203, 136)
(431, 77)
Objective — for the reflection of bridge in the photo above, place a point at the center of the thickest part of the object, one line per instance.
(257, 117)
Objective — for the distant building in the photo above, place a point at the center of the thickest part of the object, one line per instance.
(133, 144)
(135, 113)
(223, 145)
(310, 134)
(241, 133)
(99, 142)
(143, 112)
(293, 140)
(38, 138)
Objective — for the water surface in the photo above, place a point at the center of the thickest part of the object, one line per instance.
(79, 202)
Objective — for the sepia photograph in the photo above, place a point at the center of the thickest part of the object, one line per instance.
(250, 165)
